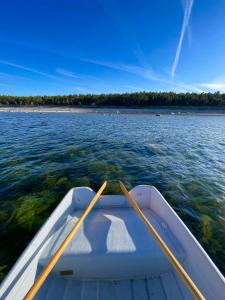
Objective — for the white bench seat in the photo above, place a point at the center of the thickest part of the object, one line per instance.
(112, 243)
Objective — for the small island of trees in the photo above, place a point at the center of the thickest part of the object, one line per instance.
(142, 99)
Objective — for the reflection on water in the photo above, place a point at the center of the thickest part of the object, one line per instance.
(44, 155)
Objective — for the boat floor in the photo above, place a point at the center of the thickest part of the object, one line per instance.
(157, 288)
(110, 233)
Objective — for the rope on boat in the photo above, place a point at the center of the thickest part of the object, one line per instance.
(183, 274)
(38, 283)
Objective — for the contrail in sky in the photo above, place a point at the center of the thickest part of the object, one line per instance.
(187, 13)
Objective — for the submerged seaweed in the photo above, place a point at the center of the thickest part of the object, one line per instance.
(182, 156)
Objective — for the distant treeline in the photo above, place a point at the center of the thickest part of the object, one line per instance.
(126, 99)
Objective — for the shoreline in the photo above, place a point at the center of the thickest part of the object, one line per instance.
(204, 111)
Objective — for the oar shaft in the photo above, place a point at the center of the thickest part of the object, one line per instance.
(38, 283)
(183, 274)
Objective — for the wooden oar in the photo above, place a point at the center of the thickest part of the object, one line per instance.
(183, 274)
(38, 283)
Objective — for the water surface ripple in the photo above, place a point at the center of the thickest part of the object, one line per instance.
(43, 155)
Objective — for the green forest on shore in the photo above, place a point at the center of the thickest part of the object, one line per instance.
(126, 99)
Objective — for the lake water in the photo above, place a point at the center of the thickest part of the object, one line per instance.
(44, 155)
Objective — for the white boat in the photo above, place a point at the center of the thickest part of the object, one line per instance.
(113, 255)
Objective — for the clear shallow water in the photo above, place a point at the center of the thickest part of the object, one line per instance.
(43, 155)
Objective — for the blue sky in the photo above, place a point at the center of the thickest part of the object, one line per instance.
(51, 47)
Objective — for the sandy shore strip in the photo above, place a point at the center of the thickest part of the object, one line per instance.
(158, 111)
(44, 109)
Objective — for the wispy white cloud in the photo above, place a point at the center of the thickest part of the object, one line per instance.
(67, 73)
(69, 76)
(189, 35)
(187, 13)
(141, 57)
(24, 68)
(148, 74)
(216, 85)
(187, 87)
(132, 69)
(11, 80)
(63, 75)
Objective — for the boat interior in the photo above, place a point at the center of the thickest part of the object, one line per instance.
(113, 255)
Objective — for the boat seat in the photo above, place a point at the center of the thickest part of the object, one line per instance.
(112, 243)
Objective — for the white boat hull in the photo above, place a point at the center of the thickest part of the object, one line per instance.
(113, 256)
